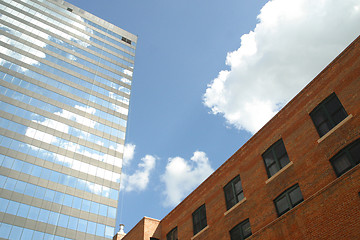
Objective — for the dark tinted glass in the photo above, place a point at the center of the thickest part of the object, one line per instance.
(282, 205)
(172, 235)
(241, 231)
(233, 192)
(279, 150)
(339, 116)
(319, 117)
(175, 235)
(199, 219)
(228, 189)
(275, 158)
(240, 197)
(295, 196)
(347, 158)
(268, 158)
(324, 128)
(273, 169)
(235, 233)
(203, 216)
(284, 161)
(333, 105)
(246, 229)
(355, 152)
(238, 187)
(328, 114)
(288, 199)
(341, 164)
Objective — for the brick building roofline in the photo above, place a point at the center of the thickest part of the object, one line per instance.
(350, 47)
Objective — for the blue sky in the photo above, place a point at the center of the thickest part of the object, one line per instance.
(209, 74)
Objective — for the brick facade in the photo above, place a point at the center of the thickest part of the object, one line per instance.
(331, 206)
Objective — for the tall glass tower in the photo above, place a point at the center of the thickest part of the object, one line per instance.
(65, 80)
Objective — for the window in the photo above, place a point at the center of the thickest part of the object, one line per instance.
(288, 199)
(241, 231)
(275, 158)
(199, 219)
(172, 235)
(126, 40)
(69, 9)
(328, 114)
(233, 192)
(347, 158)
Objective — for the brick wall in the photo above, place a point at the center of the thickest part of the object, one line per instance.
(145, 229)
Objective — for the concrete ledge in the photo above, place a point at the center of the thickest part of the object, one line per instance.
(235, 206)
(335, 128)
(203, 230)
(279, 172)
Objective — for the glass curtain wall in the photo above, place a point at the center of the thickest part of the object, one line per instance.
(65, 80)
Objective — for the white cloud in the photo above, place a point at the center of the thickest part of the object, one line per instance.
(291, 44)
(129, 151)
(128, 72)
(139, 180)
(41, 136)
(182, 176)
(77, 118)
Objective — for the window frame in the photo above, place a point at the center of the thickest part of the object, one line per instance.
(345, 151)
(235, 195)
(322, 107)
(171, 235)
(271, 150)
(200, 214)
(240, 228)
(286, 194)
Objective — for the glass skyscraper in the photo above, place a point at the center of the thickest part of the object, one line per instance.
(65, 80)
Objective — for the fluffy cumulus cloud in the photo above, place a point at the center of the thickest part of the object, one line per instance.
(129, 151)
(139, 180)
(182, 176)
(292, 42)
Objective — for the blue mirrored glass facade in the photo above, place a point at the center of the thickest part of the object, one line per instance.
(65, 82)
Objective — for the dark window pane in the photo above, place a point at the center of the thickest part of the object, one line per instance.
(241, 231)
(333, 105)
(355, 152)
(199, 219)
(175, 235)
(328, 114)
(324, 128)
(284, 161)
(231, 203)
(275, 158)
(280, 150)
(341, 164)
(240, 197)
(268, 158)
(289, 199)
(282, 205)
(295, 196)
(273, 169)
(339, 116)
(172, 235)
(319, 117)
(246, 229)
(228, 192)
(233, 192)
(235, 233)
(238, 187)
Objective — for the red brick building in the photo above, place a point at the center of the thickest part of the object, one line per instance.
(296, 178)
